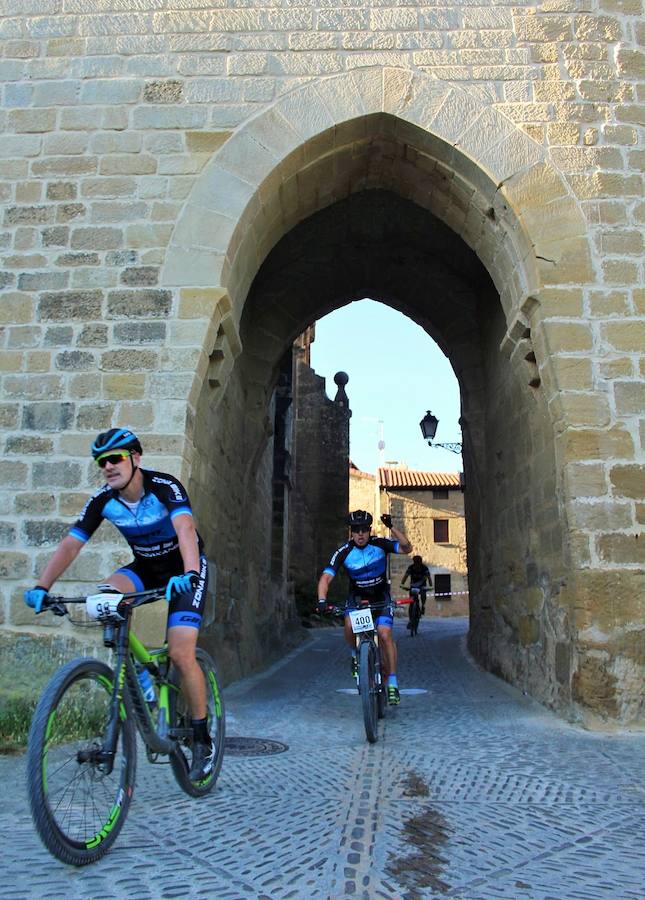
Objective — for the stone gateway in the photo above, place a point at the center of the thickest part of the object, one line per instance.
(188, 186)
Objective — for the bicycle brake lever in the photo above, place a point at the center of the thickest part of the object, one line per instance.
(59, 609)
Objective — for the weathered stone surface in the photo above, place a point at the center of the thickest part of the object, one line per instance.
(28, 444)
(47, 416)
(74, 359)
(139, 304)
(622, 548)
(628, 481)
(56, 474)
(64, 306)
(94, 335)
(43, 533)
(140, 333)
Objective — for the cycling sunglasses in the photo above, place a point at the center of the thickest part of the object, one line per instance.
(112, 458)
(360, 529)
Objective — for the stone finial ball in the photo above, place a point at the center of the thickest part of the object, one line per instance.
(341, 378)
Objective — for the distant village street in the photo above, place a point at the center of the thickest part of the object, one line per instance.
(473, 791)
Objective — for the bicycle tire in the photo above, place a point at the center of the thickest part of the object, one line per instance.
(415, 617)
(381, 693)
(77, 808)
(367, 685)
(180, 716)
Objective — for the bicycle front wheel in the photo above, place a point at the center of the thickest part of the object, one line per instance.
(415, 615)
(181, 728)
(368, 689)
(79, 803)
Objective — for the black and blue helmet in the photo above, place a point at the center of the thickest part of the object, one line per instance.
(359, 518)
(115, 439)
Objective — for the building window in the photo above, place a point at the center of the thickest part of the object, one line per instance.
(440, 493)
(442, 586)
(440, 531)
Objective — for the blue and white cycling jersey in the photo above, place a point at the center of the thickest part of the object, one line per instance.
(148, 529)
(366, 566)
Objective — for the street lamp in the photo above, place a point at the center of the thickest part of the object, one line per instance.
(428, 426)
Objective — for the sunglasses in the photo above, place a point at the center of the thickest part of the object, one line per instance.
(361, 529)
(113, 459)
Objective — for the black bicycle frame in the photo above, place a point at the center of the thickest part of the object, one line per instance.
(125, 674)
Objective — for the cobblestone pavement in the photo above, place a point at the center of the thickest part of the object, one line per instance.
(473, 791)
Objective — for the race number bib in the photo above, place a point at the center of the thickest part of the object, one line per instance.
(361, 620)
(103, 606)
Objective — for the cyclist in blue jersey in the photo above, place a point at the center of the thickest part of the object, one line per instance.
(153, 513)
(364, 558)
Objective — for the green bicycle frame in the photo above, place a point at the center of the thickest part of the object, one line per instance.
(154, 735)
(144, 657)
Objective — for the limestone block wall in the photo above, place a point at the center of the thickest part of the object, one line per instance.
(151, 160)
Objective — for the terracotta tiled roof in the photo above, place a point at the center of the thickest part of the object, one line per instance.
(357, 473)
(407, 478)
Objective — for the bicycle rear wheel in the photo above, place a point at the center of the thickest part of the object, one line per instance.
(77, 806)
(368, 689)
(181, 728)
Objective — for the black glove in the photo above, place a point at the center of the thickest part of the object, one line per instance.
(386, 519)
(322, 606)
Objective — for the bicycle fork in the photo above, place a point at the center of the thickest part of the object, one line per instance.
(125, 675)
(372, 638)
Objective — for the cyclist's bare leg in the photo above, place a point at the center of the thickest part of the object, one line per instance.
(121, 583)
(182, 643)
(349, 634)
(388, 650)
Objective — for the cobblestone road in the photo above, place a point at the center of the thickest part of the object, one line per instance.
(472, 792)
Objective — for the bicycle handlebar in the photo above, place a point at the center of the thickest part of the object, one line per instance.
(334, 610)
(58, 604)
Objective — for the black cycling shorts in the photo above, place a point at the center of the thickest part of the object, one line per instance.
(184, 609)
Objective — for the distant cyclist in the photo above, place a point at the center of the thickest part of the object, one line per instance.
(153, 513)
(420, 578)
(364, 558)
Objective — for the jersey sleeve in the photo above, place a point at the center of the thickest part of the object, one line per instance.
(172, 494)
(338, 558)
(386, 544)
(90, 518)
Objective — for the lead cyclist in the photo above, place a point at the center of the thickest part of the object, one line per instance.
(153, 513)
(364, 558)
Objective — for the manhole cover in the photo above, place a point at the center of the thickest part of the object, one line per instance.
(247, 746)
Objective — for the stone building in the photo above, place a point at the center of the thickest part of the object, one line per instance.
(429, 508)
(187, 189)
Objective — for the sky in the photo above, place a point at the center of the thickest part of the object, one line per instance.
(396, 373)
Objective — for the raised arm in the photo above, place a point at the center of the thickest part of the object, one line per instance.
(404, 544)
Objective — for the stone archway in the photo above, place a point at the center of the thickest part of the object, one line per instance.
(447, 151)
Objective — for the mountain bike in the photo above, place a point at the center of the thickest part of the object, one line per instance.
(370, 682)
(81, 754)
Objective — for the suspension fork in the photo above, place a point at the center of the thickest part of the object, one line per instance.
(106, 753)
